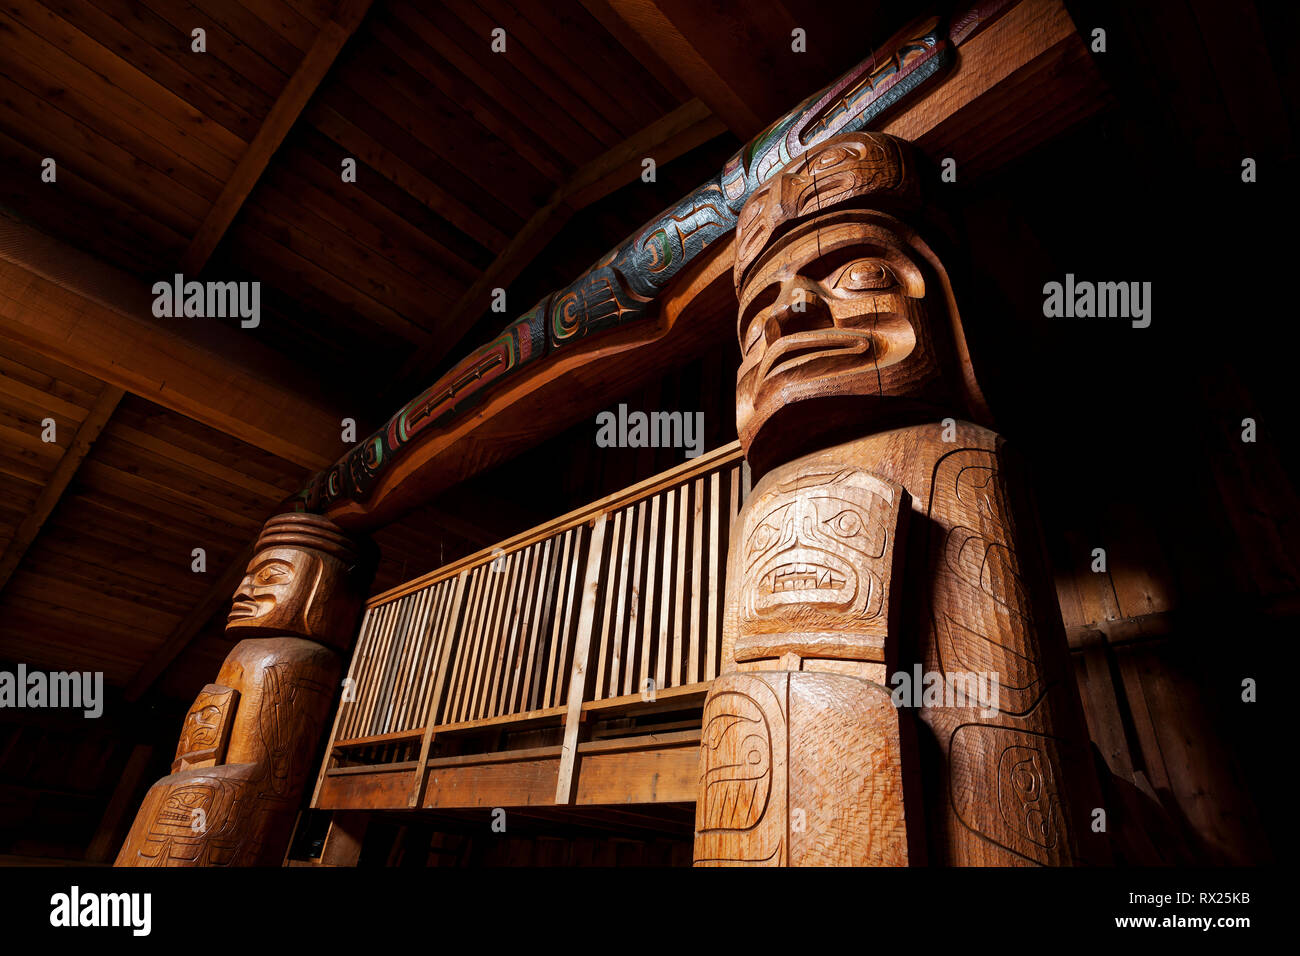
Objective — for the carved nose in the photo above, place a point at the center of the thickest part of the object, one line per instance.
(797, 309)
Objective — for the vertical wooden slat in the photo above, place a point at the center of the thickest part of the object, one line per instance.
(495, 638)
(611, 568)
(648, 621)
(420, 696)
(465, 646)
(347, 709)
(683, 501)
(508, 608)
(447, 640)
(697, 560)
(515, 661)
(535, 627)
(665, 586)
(634, 613)
(486, 643)
(715, 555)
(572, 599)
(509, 622)
(624, 557)
(518, 594)
(373, 680)
(557, 608)
(581, 653)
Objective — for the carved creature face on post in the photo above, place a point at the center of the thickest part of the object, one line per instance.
(302, 582)
(836, 299)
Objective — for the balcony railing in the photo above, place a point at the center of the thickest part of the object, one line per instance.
(594, 613)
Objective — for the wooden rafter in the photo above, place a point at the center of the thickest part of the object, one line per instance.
(686, 127)
(52, 493)
(648, 21)
(74, 309)
(300, 88)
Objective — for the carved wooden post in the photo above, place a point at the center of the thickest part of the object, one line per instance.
(883, 534)
(248, 741)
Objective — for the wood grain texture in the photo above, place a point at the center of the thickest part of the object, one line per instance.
(244, 755)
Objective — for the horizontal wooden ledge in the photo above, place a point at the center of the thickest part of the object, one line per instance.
(676, 738)
(675, 695)
(395, 737)
(373, 768)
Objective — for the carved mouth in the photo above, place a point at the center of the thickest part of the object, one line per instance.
(793, 351)
(802, 577)
(242, 608)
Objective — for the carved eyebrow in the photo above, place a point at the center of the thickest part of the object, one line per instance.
(268, 561)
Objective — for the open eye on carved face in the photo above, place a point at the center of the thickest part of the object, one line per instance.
(764, 536)
(846, 524)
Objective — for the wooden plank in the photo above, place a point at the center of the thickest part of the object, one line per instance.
(288, 106)
(697, 561)
(80, 312)
(581, 663)
(716, 557)
(650, 623)
(678, 634)
(79, 447)
(669, 774)
(624, 557)
(343, 839)
(662, 632)
(634, 614)
(602, 655)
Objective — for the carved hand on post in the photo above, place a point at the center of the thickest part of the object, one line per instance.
(248, 740)
(848, 329)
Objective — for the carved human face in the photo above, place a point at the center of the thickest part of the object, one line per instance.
(825, 312)
(813, 554)
(277, 591)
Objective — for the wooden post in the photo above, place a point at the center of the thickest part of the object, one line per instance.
(242, 761)
(564, 784)
(807, 758)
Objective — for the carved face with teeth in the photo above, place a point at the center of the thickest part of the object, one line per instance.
(809, 545)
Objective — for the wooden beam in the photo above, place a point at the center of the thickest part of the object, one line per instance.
(657, 31)
(51, 494)
(216, 597)
(688, 126)
(75, 309)
(288, 106)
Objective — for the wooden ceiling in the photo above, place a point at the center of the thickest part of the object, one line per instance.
(474, 169)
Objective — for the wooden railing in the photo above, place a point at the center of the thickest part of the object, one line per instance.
(618, 601)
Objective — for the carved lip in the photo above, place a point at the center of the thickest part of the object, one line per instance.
(242, 608)
(801, 348)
